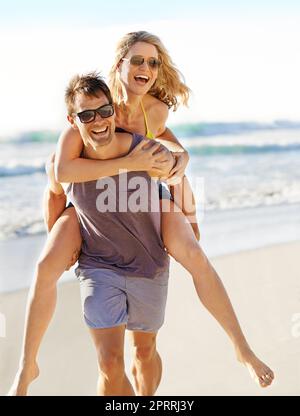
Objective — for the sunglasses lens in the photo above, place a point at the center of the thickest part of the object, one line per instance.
(137, 60)
(153, 62)
(86, 116)
(106, 111)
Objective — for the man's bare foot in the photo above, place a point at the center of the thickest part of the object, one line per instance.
(259, 371)
(23, 378)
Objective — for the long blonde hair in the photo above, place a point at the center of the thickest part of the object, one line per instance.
(169, 86)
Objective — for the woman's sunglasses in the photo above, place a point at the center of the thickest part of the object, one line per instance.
(87, 116)
(138, 60)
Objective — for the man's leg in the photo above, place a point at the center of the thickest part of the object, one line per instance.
(63, 240)
(147, 364)
(109, 345)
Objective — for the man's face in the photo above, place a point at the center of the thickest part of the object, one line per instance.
(99, 132)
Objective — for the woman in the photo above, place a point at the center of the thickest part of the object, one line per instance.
(144, 84)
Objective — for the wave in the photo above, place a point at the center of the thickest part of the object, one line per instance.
(218, 128)
(236, 149)
(195, 149)
(200, 129)
(260, 142)
(42, 136)
(21, 169)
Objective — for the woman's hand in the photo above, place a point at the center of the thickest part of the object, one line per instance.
(150, 155)
(178, 171)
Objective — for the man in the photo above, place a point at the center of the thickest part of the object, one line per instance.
(123, 267)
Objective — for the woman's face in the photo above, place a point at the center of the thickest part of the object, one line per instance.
(138, 79)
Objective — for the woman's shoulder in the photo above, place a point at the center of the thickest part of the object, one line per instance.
(154, 107)
(153, 102)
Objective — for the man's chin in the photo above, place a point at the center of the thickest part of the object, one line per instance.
(96, 143)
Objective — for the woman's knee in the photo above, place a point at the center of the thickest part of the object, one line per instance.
(46, 271)
(189, 249)
(70, 223)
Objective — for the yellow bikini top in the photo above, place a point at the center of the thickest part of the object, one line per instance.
(149, 134)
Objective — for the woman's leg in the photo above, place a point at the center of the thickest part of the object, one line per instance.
(63, 242)
(184, 198)
(182, 245)
(54, 205)
(54, 202)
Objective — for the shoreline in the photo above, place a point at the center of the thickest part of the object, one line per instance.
(69, 275)
(263, 285)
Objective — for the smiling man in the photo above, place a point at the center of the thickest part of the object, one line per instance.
(123, 267)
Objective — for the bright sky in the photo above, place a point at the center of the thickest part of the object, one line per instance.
(240, 58)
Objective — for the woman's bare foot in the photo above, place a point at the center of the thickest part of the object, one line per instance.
(23, 378)
(259, 371)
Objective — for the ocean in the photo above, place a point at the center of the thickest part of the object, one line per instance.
(246, 177)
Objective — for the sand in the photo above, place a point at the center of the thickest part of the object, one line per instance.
(197, 356)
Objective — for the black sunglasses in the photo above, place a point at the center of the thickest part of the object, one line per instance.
(87, 116)
(138, 60)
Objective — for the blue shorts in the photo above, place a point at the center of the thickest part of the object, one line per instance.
(110, 299)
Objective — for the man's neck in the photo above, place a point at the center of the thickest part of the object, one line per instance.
(110, 151)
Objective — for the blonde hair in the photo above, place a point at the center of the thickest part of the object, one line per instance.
(169, 86)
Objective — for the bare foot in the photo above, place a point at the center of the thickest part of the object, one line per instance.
(23, 378)
(259, 371)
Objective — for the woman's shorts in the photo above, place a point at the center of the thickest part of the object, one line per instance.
(110, 299)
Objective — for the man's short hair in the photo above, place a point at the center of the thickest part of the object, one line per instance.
(89, 84)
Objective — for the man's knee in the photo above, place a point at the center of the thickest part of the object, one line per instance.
(145, 353)
(111, 363)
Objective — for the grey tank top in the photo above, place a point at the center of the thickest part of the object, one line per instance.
(120, 223)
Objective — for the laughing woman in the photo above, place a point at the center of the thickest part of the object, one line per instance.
(145, 84)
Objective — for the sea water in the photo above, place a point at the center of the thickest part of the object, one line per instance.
(246, 180)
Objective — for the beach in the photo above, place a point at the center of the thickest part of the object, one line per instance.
(198, 359)
(247, 186)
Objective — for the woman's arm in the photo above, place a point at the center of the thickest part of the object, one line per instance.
(70, 167)
(181, 155)
(168, 139)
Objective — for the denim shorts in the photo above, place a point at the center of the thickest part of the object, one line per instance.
(110, 299)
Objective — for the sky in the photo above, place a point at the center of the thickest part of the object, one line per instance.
(240, 58)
